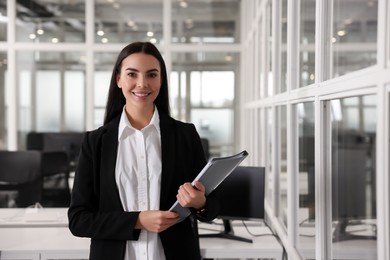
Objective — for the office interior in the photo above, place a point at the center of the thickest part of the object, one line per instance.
(302, 85)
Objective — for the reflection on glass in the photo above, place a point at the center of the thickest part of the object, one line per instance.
(270, 89)
(260, 70)
(3, 101)
(270, 167)
(307, 41)
(353, 172)
(128, 21)
(3, 21)
(42, 77)
(283, 80)
(354, 35)
(212, 21)
(54, 21)
(283, 165)
(306, 180)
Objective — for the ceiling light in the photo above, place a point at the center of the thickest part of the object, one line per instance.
(153, 40)
(150, 34)
(334, 40)
(341, 32)
(183, 4)
(40, 31)
(104, 40)
(32, 36)
(100, 32)
(54, 40)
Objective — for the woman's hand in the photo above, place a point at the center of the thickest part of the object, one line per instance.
(192, 196)
(156, 220)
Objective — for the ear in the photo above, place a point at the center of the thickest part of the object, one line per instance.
(118, 77)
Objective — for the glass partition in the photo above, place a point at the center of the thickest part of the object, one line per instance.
(306, 42)
(283, 79)
(3, 101)
(202, 90)
(270, 88)
(353, 147)
(104, 64)
(283, 169)
(306, 173)
(354, 39)
(3, 21)
(128, 21)
(213, 21)
(51, 87)
(269, 164)
(50, 21)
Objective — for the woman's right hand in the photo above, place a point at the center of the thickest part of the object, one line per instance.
(156, 220)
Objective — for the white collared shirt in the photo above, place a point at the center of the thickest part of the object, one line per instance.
(138, 177)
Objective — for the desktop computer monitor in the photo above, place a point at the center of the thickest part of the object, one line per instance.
(241, 197)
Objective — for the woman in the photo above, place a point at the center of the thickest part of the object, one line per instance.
(133, 168)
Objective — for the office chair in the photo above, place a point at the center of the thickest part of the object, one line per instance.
(206, 147)
(20, 173)
(55, 177)
(69, 142)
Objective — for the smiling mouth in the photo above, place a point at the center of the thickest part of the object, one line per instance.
(141, 94)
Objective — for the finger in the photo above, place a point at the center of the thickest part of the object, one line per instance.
(171, 215)
(199, 186)
(184, 192)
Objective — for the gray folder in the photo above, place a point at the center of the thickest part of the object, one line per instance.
(215, 171)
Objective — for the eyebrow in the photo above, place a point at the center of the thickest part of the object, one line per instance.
(151, 70)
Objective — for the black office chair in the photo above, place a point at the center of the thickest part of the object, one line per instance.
(55, 177)
(206, 147)
(20, 175)
(70, 142)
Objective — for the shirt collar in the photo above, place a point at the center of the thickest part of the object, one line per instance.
(125, 128)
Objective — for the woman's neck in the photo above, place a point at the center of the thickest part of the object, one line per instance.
(139, 118)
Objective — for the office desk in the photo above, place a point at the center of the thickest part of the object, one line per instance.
(25, 237)
(264, 246)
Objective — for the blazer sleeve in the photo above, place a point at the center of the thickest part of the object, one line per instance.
(88, 216)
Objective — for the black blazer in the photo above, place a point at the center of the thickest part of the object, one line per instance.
(96, 210)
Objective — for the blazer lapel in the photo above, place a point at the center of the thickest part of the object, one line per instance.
(108, 151)
(167, 158)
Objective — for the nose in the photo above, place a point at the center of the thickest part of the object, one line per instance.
(141, 81)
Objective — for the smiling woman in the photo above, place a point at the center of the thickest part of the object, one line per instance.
(153, 158)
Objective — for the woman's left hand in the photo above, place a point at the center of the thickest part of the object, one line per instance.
(192, 195)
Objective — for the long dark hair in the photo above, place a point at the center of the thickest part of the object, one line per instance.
(116, 100)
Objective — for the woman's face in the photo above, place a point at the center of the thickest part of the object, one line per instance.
(140, 80)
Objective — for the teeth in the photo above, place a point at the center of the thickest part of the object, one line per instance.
(141, 94)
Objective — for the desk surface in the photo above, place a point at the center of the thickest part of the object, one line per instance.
(19, 239)
(33, 217)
